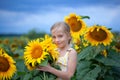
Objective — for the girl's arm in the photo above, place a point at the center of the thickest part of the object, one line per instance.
(66, 75)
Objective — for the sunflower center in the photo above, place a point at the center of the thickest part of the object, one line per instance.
(118, 45)
(4, 64)
(37, 52)
(98, 35)
(75, 25)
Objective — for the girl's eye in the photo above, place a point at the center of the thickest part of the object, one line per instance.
(53, 37)
(60, 36)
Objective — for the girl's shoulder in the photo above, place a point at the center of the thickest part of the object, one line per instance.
(72, 51)
(72, 55)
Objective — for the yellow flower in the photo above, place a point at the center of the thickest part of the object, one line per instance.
(50, 47)
(98, 35)
(6, 41)
(0, 41)
(38, 50)
(77, 48)
(34, 53)
(77, 25)
(77, 43)
(7, 66)
(117, 46)
(13, 45)
(29, 67)
(104, 52)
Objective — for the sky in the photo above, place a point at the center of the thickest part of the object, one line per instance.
(21, 16)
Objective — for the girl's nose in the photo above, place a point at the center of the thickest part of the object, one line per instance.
(57, 40)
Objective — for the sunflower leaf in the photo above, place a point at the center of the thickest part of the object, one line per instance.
(44, 62)
(82, 69)
(37, 78)
(89, 73)
(93, 74)
(89, 53)
(27, 76)
(83, 17)
(109, 78)
(110, 60)
(82, 65)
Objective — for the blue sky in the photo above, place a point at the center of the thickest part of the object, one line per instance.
(21, 16)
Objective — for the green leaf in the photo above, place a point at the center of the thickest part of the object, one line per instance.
(111, 60)
(81, 74)
(116, 72)
(37, 78)
(44, 62)
(89, 53)
(93, 74)
(83, 17)
(21, 73)
(56, 66)
(20, 65)
(82, 69)
(83, 64)
(27, 76)
(109, 78)
(89, 74)
(35, 72)
(109, 28)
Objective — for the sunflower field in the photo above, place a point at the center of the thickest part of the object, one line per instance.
(97, 46)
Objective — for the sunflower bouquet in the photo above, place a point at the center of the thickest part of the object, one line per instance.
(40, 52)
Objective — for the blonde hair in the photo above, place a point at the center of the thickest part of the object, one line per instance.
(62, 25)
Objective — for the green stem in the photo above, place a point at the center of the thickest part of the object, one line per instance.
(45, 77)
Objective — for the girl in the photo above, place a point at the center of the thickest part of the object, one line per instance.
(68, 56)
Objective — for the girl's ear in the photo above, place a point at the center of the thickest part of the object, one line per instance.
(70, 38)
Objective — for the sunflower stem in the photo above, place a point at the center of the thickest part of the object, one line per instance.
(44, 75)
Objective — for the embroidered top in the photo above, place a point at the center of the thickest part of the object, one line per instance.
(63, 61)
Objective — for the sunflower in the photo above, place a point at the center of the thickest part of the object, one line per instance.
(77, 25)
(29, 67)
(6, 41)
(117, 46)
(7, 66)
(0, 41)
(53, 52)
(34, 53)
(50, 47)
(77, 48)
(38, 50)
(77, 43)
(98, 35)
(104, 52)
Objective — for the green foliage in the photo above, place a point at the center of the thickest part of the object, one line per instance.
(33, 34)
(44, 63)
(89, 52)
(93, 65)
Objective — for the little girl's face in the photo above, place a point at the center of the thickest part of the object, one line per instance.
(60, 38)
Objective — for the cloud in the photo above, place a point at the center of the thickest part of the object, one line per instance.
(43, 19)
(34, 5)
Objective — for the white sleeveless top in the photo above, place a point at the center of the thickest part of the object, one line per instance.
(63, 61)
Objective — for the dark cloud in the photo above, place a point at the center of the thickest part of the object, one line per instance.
(17, 14)
(34, 5)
